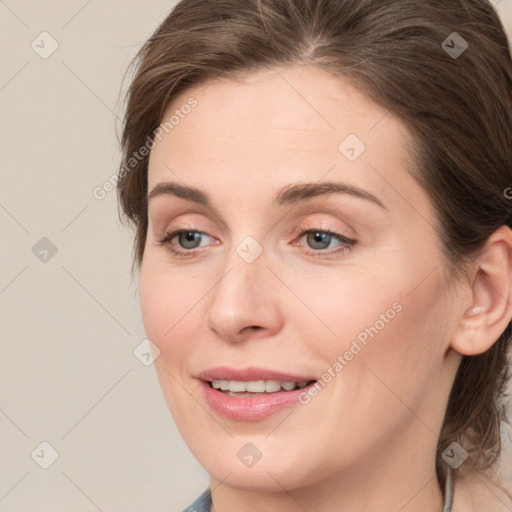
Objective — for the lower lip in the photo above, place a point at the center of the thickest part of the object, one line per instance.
(250, 408)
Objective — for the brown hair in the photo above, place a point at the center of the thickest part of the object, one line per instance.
(457, 107)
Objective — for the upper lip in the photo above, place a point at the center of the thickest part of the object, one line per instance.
(249, 374)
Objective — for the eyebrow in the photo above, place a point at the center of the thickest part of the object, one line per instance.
(288, 195)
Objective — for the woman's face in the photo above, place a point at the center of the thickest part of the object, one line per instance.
(274, 281)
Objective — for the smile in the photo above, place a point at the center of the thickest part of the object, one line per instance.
(238, 402)
(256, 387)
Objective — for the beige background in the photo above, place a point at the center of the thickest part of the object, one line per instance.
(68, 375)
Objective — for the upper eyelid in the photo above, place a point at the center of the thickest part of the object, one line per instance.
(173, 232)
(302, 217)
(303, 209)
(298, 229)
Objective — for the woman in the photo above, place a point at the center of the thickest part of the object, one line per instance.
(323, 233)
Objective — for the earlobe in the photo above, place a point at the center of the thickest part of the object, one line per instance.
(490, 310)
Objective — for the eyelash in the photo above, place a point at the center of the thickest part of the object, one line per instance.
(347, 243)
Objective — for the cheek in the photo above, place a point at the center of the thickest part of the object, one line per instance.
(352, 307)
(164, 315)
(167, 312)
(166, 301)
(391, 328)
(403, 339)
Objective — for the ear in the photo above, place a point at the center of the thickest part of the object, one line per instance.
(490, 304)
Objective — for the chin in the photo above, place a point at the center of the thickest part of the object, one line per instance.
(264, 479)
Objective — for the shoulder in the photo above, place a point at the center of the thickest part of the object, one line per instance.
(477, 492)
(201, 504)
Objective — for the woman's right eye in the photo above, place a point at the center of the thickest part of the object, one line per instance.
(187, 238)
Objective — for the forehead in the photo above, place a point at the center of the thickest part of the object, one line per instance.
(299, 99)
(302, 103)
(276, 126)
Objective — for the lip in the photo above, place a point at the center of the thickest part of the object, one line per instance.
(250, 373)
(249, 408)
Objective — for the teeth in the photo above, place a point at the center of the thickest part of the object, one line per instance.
(256, 386)
(271, 386)
(288, 385)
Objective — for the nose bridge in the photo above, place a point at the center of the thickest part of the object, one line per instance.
(248, 249)
(243, 274)
(241, 298)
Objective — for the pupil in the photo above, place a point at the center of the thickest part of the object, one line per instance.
(190, 236)
(320, 238)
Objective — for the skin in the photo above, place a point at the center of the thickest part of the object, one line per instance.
(375, 424)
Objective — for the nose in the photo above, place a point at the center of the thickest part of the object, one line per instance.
(244, 302)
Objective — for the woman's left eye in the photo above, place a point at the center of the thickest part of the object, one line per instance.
(320, 239)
